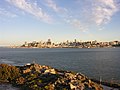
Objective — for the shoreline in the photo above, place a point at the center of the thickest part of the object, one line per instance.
(34, 76)
(55, 74)
(108, 84)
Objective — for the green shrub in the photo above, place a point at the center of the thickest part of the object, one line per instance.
(8, 72)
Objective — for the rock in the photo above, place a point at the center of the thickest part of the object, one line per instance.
(26, 71)
(52, 71)
(72, 86)
(41, 77)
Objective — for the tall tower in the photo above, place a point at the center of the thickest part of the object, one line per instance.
(75, 40)
(49, 42)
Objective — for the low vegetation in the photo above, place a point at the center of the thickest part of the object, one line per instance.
(8, 72)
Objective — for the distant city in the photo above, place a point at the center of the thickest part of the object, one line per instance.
(70, 44)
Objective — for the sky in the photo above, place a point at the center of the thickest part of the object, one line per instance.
(58, 20)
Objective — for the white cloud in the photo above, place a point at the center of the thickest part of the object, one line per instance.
(103, 10)
(54, 6)
(31, 8)
(3, 12)
(77, 24)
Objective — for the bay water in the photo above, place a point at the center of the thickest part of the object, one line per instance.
(94, 62)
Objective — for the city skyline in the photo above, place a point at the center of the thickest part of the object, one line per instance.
(59, 20)
(69, 44)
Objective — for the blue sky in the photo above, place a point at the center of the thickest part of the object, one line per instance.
(59, 20)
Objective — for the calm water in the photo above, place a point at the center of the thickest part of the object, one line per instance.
(95, 63)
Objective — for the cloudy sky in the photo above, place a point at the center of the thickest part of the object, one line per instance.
(59, 20)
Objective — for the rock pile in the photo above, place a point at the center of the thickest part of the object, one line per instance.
(38, 77)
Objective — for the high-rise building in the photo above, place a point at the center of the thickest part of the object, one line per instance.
(49, 42)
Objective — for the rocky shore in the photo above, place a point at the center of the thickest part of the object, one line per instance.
(41, 77)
